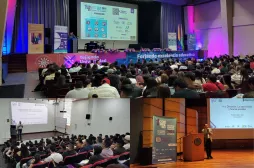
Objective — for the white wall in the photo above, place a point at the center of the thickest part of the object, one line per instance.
(208, 28)
(109, 43)
(100, 110)
(243, 22)
(5, 114)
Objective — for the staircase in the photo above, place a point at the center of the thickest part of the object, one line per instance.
(17, 63)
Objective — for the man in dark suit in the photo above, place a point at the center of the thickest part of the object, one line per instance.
(70, 151)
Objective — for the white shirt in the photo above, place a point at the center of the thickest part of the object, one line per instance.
(78, 93)
(127, 146)
(210, 131)
(215, 71)
(133, 80)
(50, 158)
(174, 66)
(105, 91)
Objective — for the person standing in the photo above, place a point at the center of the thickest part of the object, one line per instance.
(208, 140)
(19, 128)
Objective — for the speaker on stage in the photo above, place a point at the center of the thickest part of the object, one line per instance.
(48, 48)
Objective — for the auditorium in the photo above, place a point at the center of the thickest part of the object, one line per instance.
(126, 49)
(64, 133)
(181, 133)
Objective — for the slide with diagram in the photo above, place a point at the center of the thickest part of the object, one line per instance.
(104, 22)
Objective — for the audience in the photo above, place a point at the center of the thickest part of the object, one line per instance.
(59, 148)
(151, 78)
(78, 92)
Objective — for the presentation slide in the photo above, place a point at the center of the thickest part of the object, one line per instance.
(232, 113)
(29, 113)
(104, 22)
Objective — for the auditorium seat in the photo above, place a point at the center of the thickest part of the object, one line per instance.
(61, 93)
(81, 156)
(101, 163)
(87, 166)
(25, 160)
(113, 160)
(41, 165)
(124, 156)
(223, 94)
(233, 92)
(44, 156)
(70, 159)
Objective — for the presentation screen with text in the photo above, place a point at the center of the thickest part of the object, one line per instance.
(105, 22)
(29, 113)
(232, 113)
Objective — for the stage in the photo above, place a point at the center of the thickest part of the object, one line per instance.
(36, 61)
(222, 159)
(33, 136)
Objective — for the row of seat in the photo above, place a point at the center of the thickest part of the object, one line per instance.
(70, 160)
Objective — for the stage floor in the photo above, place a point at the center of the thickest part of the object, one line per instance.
(33, 136)
(222, 159)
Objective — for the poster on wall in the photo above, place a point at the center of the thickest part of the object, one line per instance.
(35, 38)
(172, 42)
(164, 140)
(191, 42)
(60, 39)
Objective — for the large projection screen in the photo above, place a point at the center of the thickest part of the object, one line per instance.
(108, 21)
(231, 118)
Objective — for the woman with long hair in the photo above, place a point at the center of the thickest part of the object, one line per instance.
(226, 81)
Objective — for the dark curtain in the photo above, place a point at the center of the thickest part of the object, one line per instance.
(171, 17)
(47, 12)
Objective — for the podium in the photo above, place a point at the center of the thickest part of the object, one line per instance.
(73, 45)
(193, 147)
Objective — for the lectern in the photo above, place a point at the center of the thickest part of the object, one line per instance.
(193, 147)
(73, 45)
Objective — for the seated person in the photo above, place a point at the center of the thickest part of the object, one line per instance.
(36, 160)
(181, 90)
(70, 151)
(119, 149)
(87, 146)
(53, 153)
(127, 139)
(107, 151)
(212, 85)
(40, 151)
(94, 158)
(78, 91)
(250, 94)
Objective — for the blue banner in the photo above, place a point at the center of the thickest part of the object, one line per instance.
(61, 39)
(181, 55)
(164, 140)
(191, 42)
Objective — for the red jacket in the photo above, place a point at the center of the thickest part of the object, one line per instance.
(213, 87)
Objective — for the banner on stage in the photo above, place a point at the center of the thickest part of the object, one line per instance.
(60, 39)
(35, 38)
(191, 42)
(172, 42)
(164, 140)
(181, 55)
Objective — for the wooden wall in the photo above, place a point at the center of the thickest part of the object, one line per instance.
(191, 121)
(175, 108)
